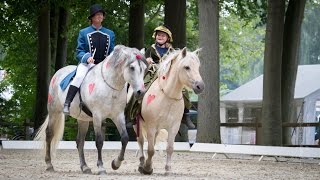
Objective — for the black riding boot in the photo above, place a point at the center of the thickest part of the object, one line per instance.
(70, 95)
(187, 120)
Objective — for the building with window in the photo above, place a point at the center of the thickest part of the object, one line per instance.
(244, 105)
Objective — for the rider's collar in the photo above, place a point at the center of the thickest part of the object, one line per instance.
(94, 27)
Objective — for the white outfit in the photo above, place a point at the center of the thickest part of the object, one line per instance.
(82, 71)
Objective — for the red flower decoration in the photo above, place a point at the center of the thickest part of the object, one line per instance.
(138, 56)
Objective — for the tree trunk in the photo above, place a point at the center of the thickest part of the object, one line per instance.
(43, 69)
(54, 21)
(175, 19)
(208, 105)
(291, 41)
(136, 24)
(271, 105)
(62, 43)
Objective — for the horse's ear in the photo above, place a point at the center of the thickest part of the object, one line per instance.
(143, 51)
(184, 52)
(197, 51)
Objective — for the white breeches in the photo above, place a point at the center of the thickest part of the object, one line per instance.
(82, 70)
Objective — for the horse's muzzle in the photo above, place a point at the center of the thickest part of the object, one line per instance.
(139, 94)
(198, 87)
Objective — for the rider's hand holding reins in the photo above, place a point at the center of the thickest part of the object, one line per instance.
(149, 60)
(90, 60)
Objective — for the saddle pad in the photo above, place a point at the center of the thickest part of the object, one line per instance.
(66, 81)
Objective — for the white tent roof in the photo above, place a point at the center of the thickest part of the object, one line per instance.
(307, 82)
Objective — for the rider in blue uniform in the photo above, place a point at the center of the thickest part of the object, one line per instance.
(95, 43)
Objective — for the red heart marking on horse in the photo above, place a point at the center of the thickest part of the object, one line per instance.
(107, 65)
(150, 98)
(49, 98)
(91, 87)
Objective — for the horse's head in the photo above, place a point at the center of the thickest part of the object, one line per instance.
(133, 68)
(188, 65)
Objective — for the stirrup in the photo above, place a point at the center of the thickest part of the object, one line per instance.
(66, 109)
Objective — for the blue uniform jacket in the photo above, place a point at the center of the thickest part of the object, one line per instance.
(90, 39)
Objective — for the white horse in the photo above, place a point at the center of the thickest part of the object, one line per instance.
(104, 92)
(163, 105)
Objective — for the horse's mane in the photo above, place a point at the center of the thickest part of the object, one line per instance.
(165, 65)
(120, 54)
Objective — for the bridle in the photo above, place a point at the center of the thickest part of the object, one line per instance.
(106, 80)
(138, 58)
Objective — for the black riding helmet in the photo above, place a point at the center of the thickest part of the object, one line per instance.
(95, 9)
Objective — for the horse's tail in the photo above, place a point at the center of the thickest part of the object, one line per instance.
(57, 124)
(41, 134)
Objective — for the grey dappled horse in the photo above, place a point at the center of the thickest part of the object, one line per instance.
(103, 91)
(163, 105)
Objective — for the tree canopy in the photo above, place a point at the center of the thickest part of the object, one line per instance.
(241, 42)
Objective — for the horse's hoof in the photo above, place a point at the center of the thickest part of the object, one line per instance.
(50, 168)
(167, 168)
(114, 167)
(86, 170)
(140, 169)
(167, 173)
(103, 172)
(147, 172)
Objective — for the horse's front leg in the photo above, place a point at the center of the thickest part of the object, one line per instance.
(82, 131)
(151, 132)
(121, 126)
(97, 122)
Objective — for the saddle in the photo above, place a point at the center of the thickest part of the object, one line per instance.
(64, 84)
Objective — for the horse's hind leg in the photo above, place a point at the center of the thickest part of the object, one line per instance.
(171, 136)
(82, 131)
(121, 126)
(49, 136)
(54, 132)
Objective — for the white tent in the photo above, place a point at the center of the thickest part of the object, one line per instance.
(249, 95)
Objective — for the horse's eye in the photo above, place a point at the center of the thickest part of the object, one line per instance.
(187, 68)
(131, 68)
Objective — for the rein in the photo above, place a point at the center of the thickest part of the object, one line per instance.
(176, 99)
(106, 80)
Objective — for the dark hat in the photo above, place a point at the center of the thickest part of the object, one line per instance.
(95, 9)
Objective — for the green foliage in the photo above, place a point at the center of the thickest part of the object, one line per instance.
(153, 18)
(241, 46)
(241, 50)
(19, 60)
(246, 10)
(192, 25)
(310, 30)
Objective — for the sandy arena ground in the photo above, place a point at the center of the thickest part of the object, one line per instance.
(29, 164)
